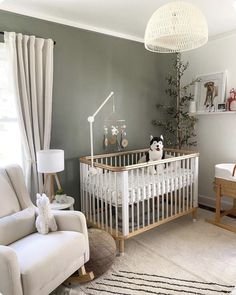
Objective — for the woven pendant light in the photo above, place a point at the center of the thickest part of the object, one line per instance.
(176, 27)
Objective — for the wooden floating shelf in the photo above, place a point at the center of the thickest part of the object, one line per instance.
(212, 113)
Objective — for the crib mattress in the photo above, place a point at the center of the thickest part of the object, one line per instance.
(108, 188)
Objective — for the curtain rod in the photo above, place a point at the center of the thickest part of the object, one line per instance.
(2, 33)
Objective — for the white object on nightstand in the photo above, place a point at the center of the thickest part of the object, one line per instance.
(60, 206)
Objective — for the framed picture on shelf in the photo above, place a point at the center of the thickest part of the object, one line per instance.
(210, 92)
(221, 107)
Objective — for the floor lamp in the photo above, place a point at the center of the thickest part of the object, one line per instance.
(50, 162)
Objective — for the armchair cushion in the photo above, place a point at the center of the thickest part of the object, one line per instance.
(42, 258)
(17, 226)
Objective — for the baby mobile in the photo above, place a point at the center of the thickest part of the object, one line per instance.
(115, 136)
(114, 132)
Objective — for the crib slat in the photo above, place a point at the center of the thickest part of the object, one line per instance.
(102, 202)
(157, 187)
(132, 198)
(195, 193)
(176, 185)
(90, 199)
(167, 191)
(187, 186)
(171, 188)
(138, 202)
(93, 200)
(98, 199)
(141, 197)
(179, 188)
(154, 193)
(151, 181)
(116, 204)
(183, 186)
(155, 180)
(125, 203)
(192, 185)
(110, 199)
(106, 199)
(162, 197)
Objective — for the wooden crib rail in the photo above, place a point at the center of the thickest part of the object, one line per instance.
(183, 155)
(108, 155)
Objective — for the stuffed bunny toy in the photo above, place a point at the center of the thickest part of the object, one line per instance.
(45, 220)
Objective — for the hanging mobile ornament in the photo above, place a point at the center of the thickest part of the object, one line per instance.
(114, 132)
(118, 147)
(123, 140)
(105, 139)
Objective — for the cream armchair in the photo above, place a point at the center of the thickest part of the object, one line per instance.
(31, 263)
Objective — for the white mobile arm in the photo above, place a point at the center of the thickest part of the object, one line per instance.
(91, 120)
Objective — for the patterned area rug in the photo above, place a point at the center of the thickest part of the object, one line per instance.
(132, 283)
(178, 258)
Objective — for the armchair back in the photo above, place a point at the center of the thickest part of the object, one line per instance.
(14, 195)
(17, 212)
(8, 199)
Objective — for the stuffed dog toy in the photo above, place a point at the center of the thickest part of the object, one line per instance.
(155, 151)
(211, 93)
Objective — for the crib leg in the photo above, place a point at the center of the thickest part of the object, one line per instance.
(194, 214)
(121, 247)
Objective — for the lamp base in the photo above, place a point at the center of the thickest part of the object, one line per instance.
(48, 187)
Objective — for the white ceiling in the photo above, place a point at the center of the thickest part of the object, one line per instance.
(123, 18)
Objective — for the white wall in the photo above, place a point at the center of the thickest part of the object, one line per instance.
(216, 134)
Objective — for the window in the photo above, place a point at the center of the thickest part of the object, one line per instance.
(10, 143)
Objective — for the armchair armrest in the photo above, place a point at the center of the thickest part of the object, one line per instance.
(10, 282)
(72, 221)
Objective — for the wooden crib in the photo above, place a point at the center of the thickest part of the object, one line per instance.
(126, 198)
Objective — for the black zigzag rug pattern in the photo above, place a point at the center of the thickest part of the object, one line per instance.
(133, 283)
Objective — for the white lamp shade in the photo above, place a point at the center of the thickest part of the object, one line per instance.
(50, 161)
(176, 27)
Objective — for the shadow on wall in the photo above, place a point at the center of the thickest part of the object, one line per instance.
(70, 180)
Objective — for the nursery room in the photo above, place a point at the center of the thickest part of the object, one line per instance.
(117, 147)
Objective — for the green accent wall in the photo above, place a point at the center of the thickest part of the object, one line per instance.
(87, 66)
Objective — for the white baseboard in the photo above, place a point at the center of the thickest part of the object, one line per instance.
(211, 202)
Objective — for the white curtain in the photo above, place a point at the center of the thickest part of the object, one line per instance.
(31, 61)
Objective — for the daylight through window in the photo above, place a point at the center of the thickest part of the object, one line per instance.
(10, 143)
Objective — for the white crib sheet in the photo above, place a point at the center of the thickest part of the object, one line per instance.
(140, 188)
